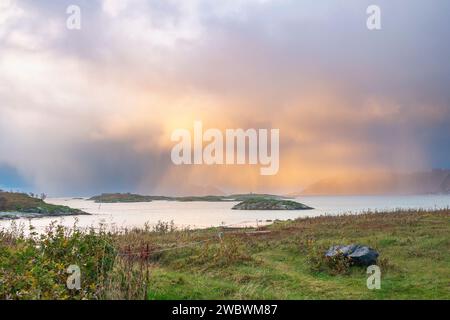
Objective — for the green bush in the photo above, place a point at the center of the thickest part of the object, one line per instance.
(318, 262)
(36, 267)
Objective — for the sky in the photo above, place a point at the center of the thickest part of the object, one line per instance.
(92, 110)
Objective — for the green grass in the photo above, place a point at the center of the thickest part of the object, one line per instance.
(414, 253)
(281, 261)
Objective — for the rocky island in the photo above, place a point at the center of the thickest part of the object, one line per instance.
(123, 198)
(130, 197)
(21, 205)
(270, 204)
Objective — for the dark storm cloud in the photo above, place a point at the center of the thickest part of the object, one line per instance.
(114, 167)
(310, 68)
(10, 178)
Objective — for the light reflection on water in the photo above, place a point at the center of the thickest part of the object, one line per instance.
(207, 214)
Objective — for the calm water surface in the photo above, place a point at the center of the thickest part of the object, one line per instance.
(207, 214)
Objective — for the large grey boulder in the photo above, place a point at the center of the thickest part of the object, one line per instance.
(358, 254)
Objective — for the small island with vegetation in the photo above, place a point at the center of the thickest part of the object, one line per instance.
(130, 197)
(21, 205)
(249, 201)
(122, 197)
(270, 204)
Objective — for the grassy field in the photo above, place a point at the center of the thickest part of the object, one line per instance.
(281, 261)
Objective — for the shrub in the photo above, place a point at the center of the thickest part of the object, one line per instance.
(128, 280)
(36, 267)
(318, 262)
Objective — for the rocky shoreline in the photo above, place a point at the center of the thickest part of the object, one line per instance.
(13, 215)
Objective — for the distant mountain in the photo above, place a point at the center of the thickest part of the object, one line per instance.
(432, 182)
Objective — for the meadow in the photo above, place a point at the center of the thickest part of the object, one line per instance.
(284, 260)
